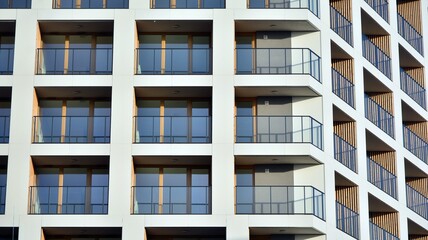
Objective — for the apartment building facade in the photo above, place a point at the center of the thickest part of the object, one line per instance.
(213, 119)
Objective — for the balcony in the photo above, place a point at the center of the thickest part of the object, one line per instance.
(295, 61)
(413, 88)
(174, 61)
(345, 153)
(2, 199)
(380, 6)
(342, 87)
(71, 129)
(6, 61)
(415, 144)
(347, 220)
(410, 34)
(287, 200)
(376, 56)
(90, 4)
(4, 129)
(279, 129)
(15, 4)
(341, 25)
(312, 5)
(171, 200)
(74, 61)
(172, 129)
(381, 178)
(377, 233)
(417, 201)
(188, 4)
(379, 116)
(68, 200)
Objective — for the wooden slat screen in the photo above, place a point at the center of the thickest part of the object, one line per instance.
(346, 130)
(419, 128)
(385, 159)
(344, 7)
(420, 184)
(411, 11)
(384, 99)
(348, 196)
(418, 237)
(382, 41)
(417, 74)
(386, 220)
(345, 67)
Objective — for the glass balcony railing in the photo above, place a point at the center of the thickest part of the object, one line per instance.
(347, 220)
(172, 129)
(174, 61)
(188, 4)
(412, 88)
(417, 201)
(342, 87)
(376, 56)
(90, 4)
(380, 6)
(381, 178)
(15, 4)
(415, 144)
(312, 5)
(298, 61)
(6, 61)
(412, 36)
(4, 129)
(377, 233)
(341, 25)
(71, 129)
(171, 200)
(279, 129)
(288, 200)
(74, 61)
(345, 153)
(68, 200)
(380, 117)
(2, 199)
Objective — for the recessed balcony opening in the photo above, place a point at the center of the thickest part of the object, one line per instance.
(9, 233)
(376, 44)
(271, 187)
(416, 231)
(69, 185)
(275, 118)
(416, 189)
(347, 206)
(412, 77)
(172, 185)
(341, 19)
(285, 233)
(3, 181)
(72, 115)
(188, 4)
(383, 220)
(378, 104)
(342, 74)
(311, 5)
(345, 139)
(5, 99)
(7, 46)
(275, 47)
(381, 7)
(15, 4)
(410, 23)
(74, 48)
(381, 165)
(415, 132)
(173, 115)
(81, 233)
(186, 49)
(90, 4)
(200, 233)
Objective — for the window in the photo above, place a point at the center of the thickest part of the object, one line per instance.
(4, 121)
(91, 4)
(6, 54)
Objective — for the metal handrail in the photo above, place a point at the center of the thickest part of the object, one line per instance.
(312, 5)
(20, 4)
(381, 178)
(381, 7)
(347, 220)
(412, 88)
(188, 4)
(379, 116)
(410, 34)
(341, 25)
(171, 200)
(417, 202)
(60, 129)
(345, 153)
(4, 129)
(377, 232)
(342, 87)
(415, 144)
(68, 200)
(376, 56)
(176, 129)
(90, 4)
(6, 68)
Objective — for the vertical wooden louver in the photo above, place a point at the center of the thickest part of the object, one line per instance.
(419, 128)
(381, 41)
(346, 130)
(348, 196)
(417, 74)
(386, 220)
(384, 99)
(385, 159)
(344, 7)
(411, 11)
(344, 67)
(418, 237)
(419, 184)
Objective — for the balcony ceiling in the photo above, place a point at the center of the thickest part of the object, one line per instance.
(7, 27)
(370, 26)
(376, 205)
(341, 181)
(73, 92)
(173, 161)
(76, 27)
(274, 91)
(407, 60)
(176, 92)
(409, 114)
(341, 116)
(373, 143)
(372, 84)
(167, 26)
(416, 229)
(338, 53)
(5, 93)
(413, 171)
(186, 231)
(279, 230)
(272, 25)
(84, 231)
(71, 161)
(253, 160)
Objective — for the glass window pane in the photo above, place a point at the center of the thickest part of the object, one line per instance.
(91, 4)
(79, 60)
(176, 121)
(46, 193)
(147, 190)
(147, 177)
(104, 55)
(161, 3)
(148, 121)
(50, 121)
(244, 122)
(52, 54)
(244, 191)
(77, 121)
(74, 190)
(101, 128)
(177, 53)
(175, 190)
(244, 54)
